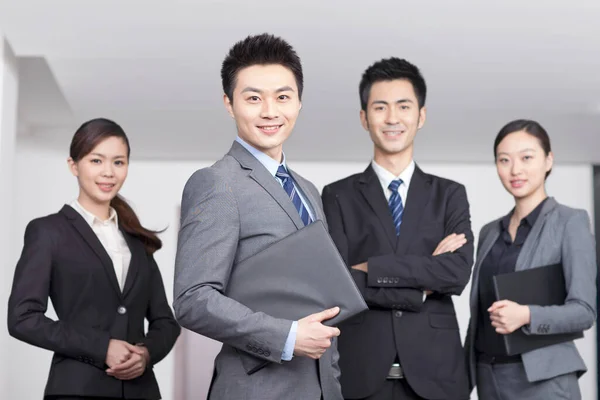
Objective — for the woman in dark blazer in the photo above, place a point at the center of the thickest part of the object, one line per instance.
(94, 260)
(537, 232)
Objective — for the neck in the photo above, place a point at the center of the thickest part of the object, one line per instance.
(276, 154)
(524, 206)
(100, 210)
(394, 163)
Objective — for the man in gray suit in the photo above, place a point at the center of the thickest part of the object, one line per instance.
(232, 210)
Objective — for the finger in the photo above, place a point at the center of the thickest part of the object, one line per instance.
(325, 314)
(135, 349)
(497, 305)
(444, 241)
(127, 364)
(333, 332)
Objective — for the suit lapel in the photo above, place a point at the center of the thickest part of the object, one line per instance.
(260, 174)
(92, 240)
(418, 196)
(137, 250)
(370, 187)
(487, 242)
(524, 261)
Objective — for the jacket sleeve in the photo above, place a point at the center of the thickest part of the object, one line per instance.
(28, 303)
(578, 253)
(447, 273)
(163, 330)
(208, 241)
(408, 299)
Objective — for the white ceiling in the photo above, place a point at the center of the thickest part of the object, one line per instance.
(153, 66)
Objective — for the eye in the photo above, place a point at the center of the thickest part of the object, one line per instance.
(119, 162)
(527, 158)
(284, 97)
(379, 108)
(253, 99)
(95, 161)
(404, 107)
(503, 160)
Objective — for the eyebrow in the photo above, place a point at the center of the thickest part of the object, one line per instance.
(281, 89)
(397, 101)
(103, 156)
(520, 151)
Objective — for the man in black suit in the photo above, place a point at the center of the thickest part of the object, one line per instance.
(407, 237)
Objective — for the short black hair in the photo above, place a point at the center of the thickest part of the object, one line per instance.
(264, 49)
(533, 128)
(390, 69)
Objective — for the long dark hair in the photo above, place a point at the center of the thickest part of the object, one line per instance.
(86, 138)
(533, 128)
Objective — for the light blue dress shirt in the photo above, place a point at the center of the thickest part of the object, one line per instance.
(272, 166)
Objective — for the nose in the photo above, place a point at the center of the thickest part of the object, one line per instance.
(108, 169)
(515, 168)
(269, 110)
(391, 118)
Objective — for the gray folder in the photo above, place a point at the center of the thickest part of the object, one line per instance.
(543, 286)
(297, 276)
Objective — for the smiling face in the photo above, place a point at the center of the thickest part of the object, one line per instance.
(393, 117)
(522, 164)
(266, 107)
(101, 173)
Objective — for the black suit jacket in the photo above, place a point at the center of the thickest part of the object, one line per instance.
(424, 335)
(63, 260)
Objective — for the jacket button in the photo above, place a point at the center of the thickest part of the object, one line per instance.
(385, 280)
(267, 353)
(249, 346)
(121, 310)
(398, 314)
(379, 280)
(396, 280)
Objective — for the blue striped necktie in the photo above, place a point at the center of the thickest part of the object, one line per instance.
(395, 204)
(290, 189)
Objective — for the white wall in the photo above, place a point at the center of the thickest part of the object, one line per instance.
(8, 132)
(154, 188)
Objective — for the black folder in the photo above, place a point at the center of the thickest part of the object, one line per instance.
(299, 275)
(543, 286)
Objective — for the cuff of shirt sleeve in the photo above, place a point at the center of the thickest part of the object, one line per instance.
(290, 343)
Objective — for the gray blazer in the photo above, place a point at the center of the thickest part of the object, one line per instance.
(229, 212)
(560, 234)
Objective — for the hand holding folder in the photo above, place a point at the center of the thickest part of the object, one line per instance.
(544, 286)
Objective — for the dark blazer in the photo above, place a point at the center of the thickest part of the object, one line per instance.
(63, 259)
(425, 336)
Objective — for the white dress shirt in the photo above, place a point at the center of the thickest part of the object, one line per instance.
(111, 238)
(386, 177)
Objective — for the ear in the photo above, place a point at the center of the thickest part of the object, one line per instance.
(549, 161)
(300, 106)
(73, 166)
(363, 120)
(228, 105)
(422, 116)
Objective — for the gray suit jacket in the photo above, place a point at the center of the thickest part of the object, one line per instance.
(560, 235)
(229, 212)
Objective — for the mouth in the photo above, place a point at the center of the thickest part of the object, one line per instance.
(106, 187)
(269, 129)
(393, 133)
(517, 183)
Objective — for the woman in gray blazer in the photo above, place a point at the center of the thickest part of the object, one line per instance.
(537, 232)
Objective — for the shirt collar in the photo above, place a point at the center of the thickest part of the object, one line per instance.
(529, 219)
(386, 177)
(91, 218)
(270, 164)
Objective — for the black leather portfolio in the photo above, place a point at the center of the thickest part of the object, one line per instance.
(543, 286)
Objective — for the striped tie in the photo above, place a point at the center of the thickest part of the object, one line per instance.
(290, 189)
(395, 203)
